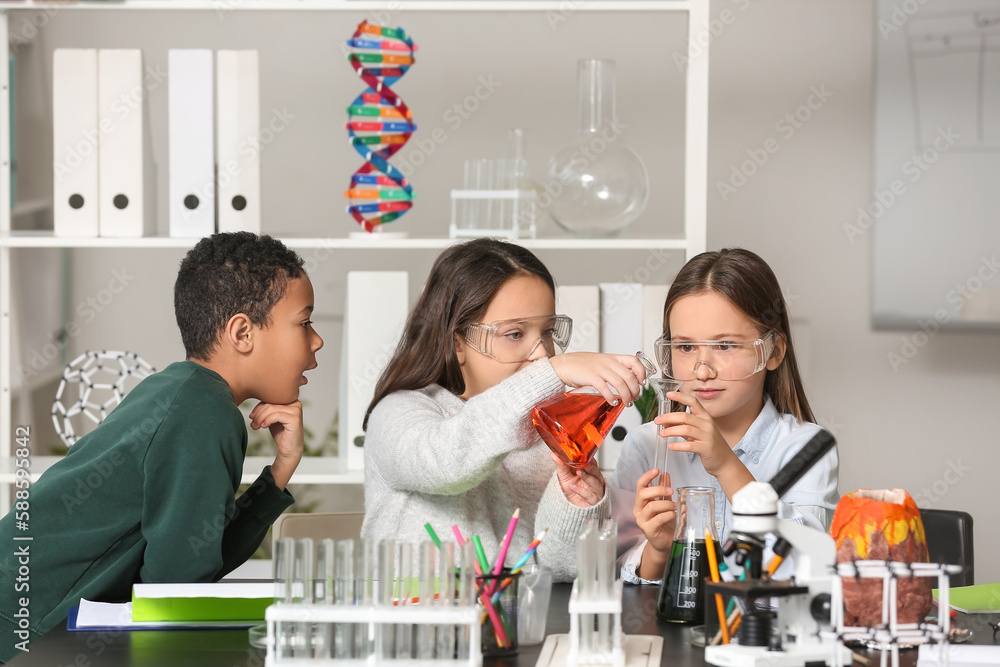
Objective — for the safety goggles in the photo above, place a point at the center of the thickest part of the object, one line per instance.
(725, 360)
(513, 341)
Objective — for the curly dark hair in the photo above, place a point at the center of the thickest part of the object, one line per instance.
(225, 274)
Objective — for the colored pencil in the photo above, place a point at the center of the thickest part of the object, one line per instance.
(713, 565)
(498, 628)
(433, 535)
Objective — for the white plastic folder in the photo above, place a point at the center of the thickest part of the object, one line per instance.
(237, 137)
(75, 142)
(375, 312)
(191, 142)
(127, 179)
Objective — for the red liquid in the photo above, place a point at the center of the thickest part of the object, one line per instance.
(575, 424)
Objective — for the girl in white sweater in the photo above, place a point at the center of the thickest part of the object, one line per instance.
(449, 438)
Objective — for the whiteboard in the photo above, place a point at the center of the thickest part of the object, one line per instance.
(934, 213)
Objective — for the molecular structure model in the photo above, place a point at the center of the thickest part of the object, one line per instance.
(96, 383)
(379, 124)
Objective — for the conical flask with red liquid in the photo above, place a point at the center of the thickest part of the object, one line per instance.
(575, 424)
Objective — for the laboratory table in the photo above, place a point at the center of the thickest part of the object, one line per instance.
(231, 648)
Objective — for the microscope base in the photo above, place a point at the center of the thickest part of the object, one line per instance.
(733, 655)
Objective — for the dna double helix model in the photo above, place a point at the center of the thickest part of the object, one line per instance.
(379, 124)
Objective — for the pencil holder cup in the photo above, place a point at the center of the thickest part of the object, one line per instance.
(533, 604)
(499, 631)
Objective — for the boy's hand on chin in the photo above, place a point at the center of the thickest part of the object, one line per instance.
(285, 424)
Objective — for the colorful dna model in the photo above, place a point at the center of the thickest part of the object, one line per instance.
(379, 124)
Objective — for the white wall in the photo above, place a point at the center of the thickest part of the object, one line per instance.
(928, 425)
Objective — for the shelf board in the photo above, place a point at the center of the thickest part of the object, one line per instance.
(356, 5)
(46, 239)
(312, 470)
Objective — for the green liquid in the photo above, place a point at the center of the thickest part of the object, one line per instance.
(682, 592)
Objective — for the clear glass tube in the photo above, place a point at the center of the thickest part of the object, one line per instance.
(404, 631)
(364, 594)
(344, 595)
(425, 632)
(446, 594)
(303, 594)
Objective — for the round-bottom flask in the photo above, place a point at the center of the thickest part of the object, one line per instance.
(604, 186)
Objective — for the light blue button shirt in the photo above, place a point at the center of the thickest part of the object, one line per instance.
(770, 442)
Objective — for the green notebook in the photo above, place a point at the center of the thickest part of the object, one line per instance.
(201, 602)
(979, 599)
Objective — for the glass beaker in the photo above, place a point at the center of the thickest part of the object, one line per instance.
(682, 589)
(605, 185)
(575, 424)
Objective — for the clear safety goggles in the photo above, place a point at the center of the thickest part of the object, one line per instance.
(513, 341)
(725, 360)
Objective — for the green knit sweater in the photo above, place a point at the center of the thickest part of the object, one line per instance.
(148, 496)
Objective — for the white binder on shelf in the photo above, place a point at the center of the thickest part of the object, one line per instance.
(621, 333)
(238, 145)
(583, 304)
(370, 337)
(127, 178)
(191, 142)
(75, 142)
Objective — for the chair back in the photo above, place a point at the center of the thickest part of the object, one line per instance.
(949, 540)
(318, 526)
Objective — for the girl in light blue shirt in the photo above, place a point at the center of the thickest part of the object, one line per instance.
(741, 413)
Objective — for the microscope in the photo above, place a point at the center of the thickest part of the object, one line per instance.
(800, 634)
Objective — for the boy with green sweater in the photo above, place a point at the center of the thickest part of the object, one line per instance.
(149, 496)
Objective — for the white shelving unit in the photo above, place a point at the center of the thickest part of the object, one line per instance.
(320, 471)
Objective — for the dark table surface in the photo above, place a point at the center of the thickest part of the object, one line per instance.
(231, 648)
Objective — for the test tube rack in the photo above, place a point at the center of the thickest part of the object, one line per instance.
(514, 214)
(378, 620)
(586, 646)
(353, 602)
(889, 635)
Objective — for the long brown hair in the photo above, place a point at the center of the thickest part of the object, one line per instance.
(459, 289)
(748, 283)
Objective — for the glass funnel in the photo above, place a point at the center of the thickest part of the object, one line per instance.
(599, 185)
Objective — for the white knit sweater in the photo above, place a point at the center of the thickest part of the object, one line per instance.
(432, 457)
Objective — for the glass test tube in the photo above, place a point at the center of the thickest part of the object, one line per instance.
(343, 633)
(284, 569)
(323, 632)
(425, 632)
(364, 595)
(446, 597)
(303, 594)
(605, 579)
(385, 632)
(585, 582)
(466, 593)
(404, 631)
